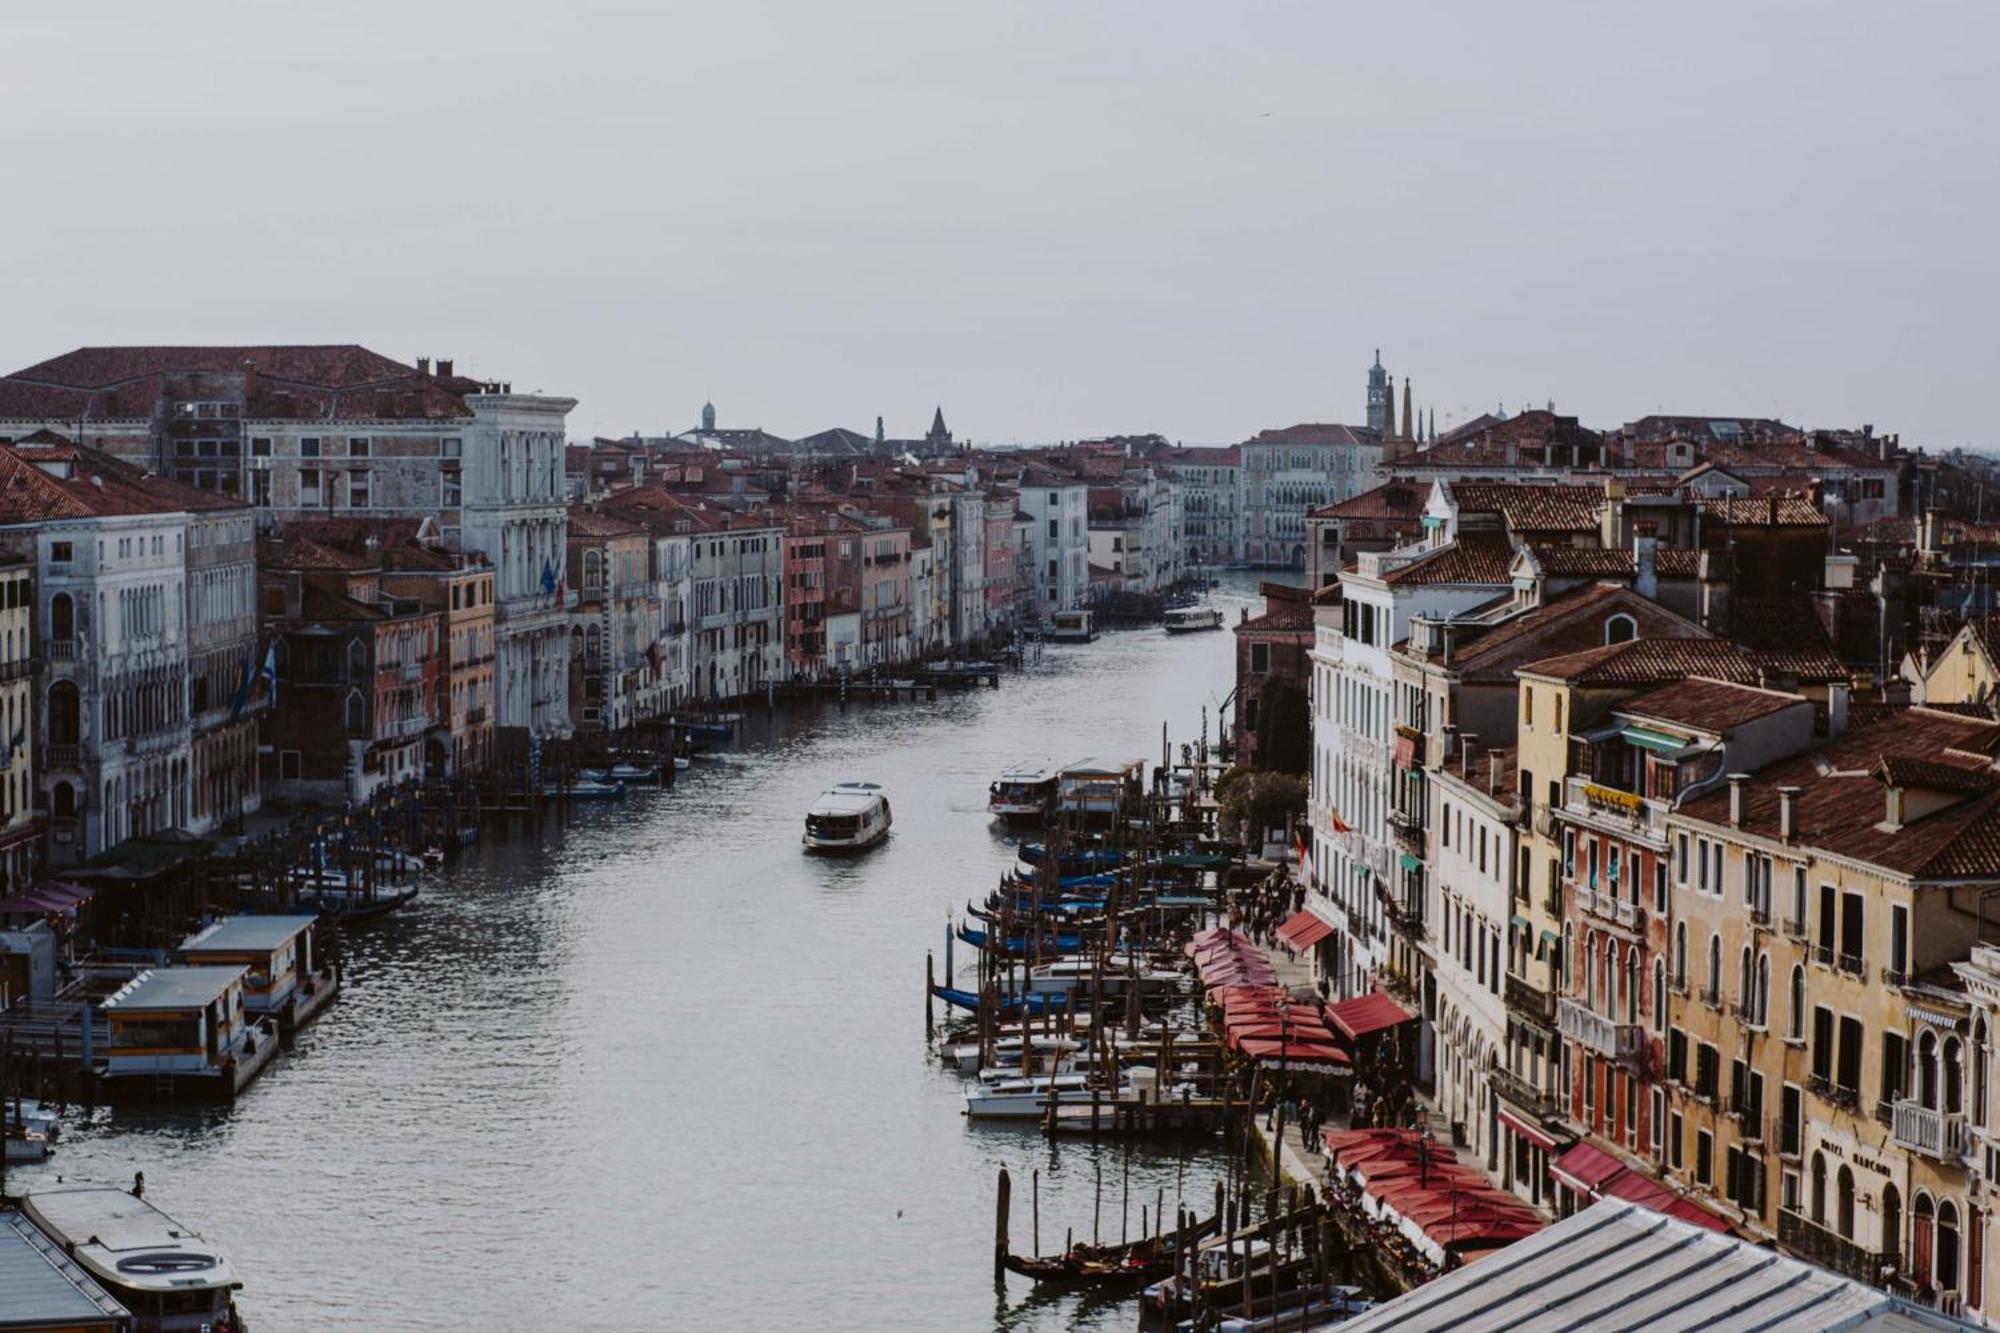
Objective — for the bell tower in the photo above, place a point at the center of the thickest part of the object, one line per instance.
(1378, 397)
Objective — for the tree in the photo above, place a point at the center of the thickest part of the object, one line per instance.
(1284, 729)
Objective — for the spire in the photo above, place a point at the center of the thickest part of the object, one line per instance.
(939, 435)
(1388, 426)
(878, 430)
(1378, 388)
(1432, 434)
(1406, 432)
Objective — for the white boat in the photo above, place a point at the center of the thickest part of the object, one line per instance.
(1025, 791)
(1007, 1052)
(1028, 1098)
(28, 1145)
(848, 817)
(1067, 974)
(1071, 627)
(163, 1272)
(1099, 789)
(583, 789)
(1193, 619)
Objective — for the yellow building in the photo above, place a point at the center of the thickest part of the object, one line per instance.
(1968, 670)
(1824, 1065)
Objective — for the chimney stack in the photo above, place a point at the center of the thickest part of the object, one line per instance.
(444, 368)
(1739, 784)
(423, 365)
(249, 381)
(1788, 813)
(1645, 567)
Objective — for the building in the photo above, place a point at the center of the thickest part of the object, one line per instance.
(1055, 550)
(224, 652)
(1273, 652)
(1212, 501)
(1967, 669)
(1381, 519)
(1289, 472)
(20, 831)
(614, 626)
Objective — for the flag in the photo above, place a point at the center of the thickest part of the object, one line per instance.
(242, 698)
(270, 672)
(548, 577)
(1338, 825)
(1304, 846)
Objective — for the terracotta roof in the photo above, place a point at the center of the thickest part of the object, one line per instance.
(1574, 622)
(590, 523)
(1396, 499)
(1649, 662)
(1316, 433)
(1782, 511)
(292, 550)
(1786, 636)
(1842, 809)
(1474, 558)
(1929, 775)
(99, 485)
(1708, 704)
(1531, 508)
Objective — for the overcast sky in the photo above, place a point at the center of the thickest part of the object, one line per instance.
(1055, 220)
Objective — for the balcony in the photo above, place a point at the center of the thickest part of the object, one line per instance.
(475, 716)
(1620, 811)
(1828, 1249)
(1530, 1001)
(1586, 1027)
(1834, 1093)
(1518, 1091)
(65, 756)
(1939, 1135)
(1893, 977)
(1794, 928)
(62, 650)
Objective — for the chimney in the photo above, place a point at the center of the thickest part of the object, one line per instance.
(1815, 491)
(1645, 567)
(1788, 813)
(1739, 784)
(1513, 453)
(1467, 742)
(444, 368)
(423, 365)
(249, 380)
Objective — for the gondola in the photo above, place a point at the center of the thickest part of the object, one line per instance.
(1054, 1002)
(1135, 1262)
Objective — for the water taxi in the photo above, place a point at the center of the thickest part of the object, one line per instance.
(1193, 619)
(1071, 627)
(847, 817)
(1025, 791)
(165, 1274)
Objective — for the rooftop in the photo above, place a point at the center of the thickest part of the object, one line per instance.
(247, 934)
(40, 1287)
(1706, 704)
(1640, 662)
(174, 988)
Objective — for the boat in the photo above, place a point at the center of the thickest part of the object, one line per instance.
(1071, 627)
(433, 856)
(26, 1144)
(1136, 1261)
(848, 817)
(1193, 619)
(159, 1269)
(1083, 860)
(185, 1033)
(1034, 1004)
(1115, 976)
(1024, 792)
(584, 789)
(351, 905)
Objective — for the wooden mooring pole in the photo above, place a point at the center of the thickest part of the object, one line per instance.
(1000, 1228)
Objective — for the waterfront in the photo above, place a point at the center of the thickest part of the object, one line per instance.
(663, 1070)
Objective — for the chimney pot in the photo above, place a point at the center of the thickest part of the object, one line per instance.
(444, 368)
(1788, 813)
(423, 365)
(1739, 784)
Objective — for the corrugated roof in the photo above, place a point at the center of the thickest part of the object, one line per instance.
(41, 1287)
(174, 988)
(1616, 1265)
(247, 933)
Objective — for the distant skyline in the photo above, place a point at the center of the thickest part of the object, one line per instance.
(1057, 223)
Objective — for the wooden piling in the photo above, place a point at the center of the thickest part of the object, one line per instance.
(1000, 1228)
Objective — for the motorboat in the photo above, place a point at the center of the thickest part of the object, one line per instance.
(1116, 975)
(848, 817)
(1025, 792)
(585, 789)
(1193, 619)
(159, 1269)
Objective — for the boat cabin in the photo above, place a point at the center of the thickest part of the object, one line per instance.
(283, 978)
(1100, 789)
(1026, 791)
(186, 1030)
(165, 1274)
(1072, 627)
(1190, 619)
(847, 817)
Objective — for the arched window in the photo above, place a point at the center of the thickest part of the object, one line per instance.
(1590, 970)
(1954, 1077)
(62, 618)
(1620, 628)
(357, 661)
(1714, 984)
(1795, 1020)
(1979, 1055)
(1947, 1247)
(65, 714)
(1763, 990)
(1632, 985)
(1746, 986)
(1922, 1234)
(1818, 1200)
(1659, 995)
(1843, 1209)
(1892, 1223)
(356, 719)
(593, 569)
(1681, 954)
(65, 801)
(1927, 1072)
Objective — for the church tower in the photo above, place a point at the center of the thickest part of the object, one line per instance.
(708, 418)
(1378, 397)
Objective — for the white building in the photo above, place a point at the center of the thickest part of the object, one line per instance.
(1212, 501)
(1056, 551)
(1288, 473)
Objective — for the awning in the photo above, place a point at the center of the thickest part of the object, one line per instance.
(1633, 1187)
(46, 898)
(1523, 925)
(1585, 1168)
(1654, 740)
(1409, 862)
(1304, 929)
(1550, 940)
(1405, 752)
(1365, 1015)
(1533, 1133)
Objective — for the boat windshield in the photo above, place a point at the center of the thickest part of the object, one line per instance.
(833, 826)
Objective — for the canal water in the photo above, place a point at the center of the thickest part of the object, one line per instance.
(663, 1071)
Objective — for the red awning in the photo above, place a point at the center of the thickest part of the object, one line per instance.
(1405, 752)
(1365, 1015)
(1585, 1168)
(1643, 1190)
(1533, 1133)
(1303, 930)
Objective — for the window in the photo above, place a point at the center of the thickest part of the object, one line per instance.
(1899, 941)
(1895, 1062)
(1822, 1051)
(357, 446)
(1681, 858)
(1674, 1137)
(1260, 659)
(357, 489)
(260, 446)
(1850, 932)
(1795, 1013)
(1848, 1075)
(1791, 1120)
(288, 765)
(309, 447)
(308, 486)
(1620, 628)
(1659, 1121)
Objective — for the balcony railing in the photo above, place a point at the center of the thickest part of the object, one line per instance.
(65, 756)
(1581, 1024)
(62, 650)
(1828, 1249)
(1827, 1089)
(1622, 808)
(1513, 1088)
(1533, 1002)
(1936, 1134)
(1795, 928)
(1851, 964)
(1893, 977)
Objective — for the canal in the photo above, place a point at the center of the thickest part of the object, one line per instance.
(663, 1071)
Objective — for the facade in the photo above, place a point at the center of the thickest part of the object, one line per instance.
(613, 624)
(1055, 552)
(459, 591)
(1212, 501)
(224, 651)
(1290, 472)
(20, 831)
(1274, 647)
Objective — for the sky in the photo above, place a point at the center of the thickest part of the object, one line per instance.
(1056, 220)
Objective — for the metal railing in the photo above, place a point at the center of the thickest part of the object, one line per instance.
(1531, 1000)
(1828, 1249)
(65, 756)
